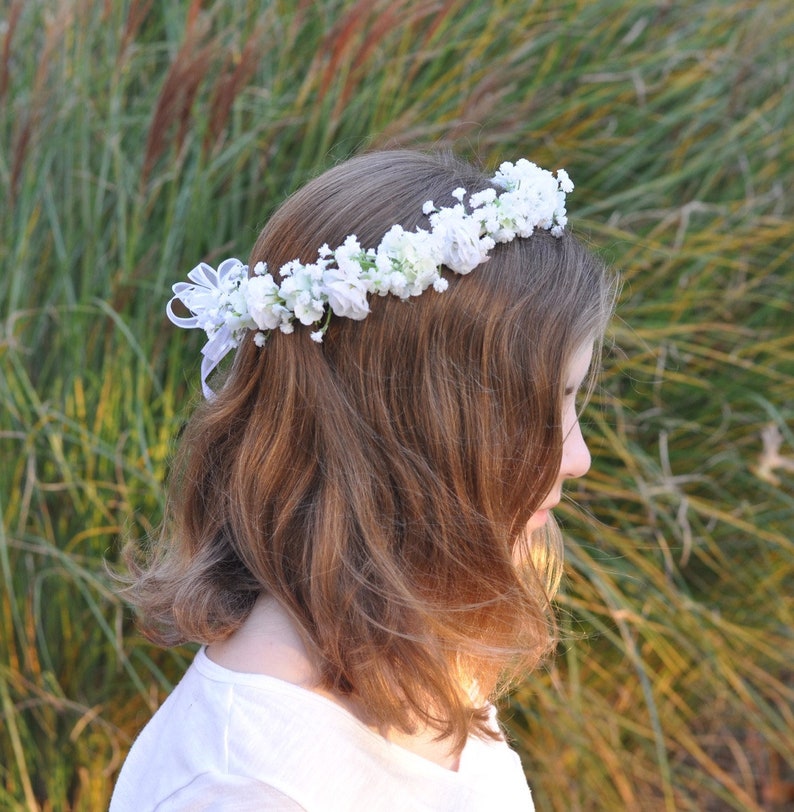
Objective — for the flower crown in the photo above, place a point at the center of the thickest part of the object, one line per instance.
(227, 303)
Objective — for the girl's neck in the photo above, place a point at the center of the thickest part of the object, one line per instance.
(268, 643)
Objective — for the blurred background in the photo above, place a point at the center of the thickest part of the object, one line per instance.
(138, 137)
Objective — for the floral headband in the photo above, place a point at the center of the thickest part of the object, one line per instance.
(227, 303)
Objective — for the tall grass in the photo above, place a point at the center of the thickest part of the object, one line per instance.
(137, 138)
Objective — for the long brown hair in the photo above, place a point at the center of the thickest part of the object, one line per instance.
(377, 484)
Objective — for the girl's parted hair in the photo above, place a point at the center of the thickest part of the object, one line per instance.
(377, 484)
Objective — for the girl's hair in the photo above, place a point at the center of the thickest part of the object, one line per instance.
(378, 484)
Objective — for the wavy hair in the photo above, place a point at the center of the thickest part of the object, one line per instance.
(378, 484)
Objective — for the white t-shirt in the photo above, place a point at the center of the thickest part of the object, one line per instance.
(224, 740)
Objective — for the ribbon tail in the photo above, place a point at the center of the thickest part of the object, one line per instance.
(213, 352)
(206, 367)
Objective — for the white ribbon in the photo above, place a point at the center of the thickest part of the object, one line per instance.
(207, 300)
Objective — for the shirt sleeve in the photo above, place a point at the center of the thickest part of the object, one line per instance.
(227, 793)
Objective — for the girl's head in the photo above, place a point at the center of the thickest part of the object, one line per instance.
(387, 485)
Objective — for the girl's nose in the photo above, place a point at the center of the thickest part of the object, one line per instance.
(575, 454)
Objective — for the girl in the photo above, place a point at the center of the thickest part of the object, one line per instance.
(359, 530)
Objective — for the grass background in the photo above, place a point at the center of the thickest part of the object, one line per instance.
(139, 137)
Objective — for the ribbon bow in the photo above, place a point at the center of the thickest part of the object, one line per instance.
(211, 297)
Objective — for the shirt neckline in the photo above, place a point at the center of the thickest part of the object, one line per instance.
(219, 673)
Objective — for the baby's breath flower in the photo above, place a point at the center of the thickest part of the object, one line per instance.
(566, 184)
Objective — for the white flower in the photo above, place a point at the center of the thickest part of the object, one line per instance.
(376, 278)
(566, 184)
(462, 247)
(350, 260)
(265, 305)
(302, 291)
(398, 285)
(307, 310)
(479, 199)
(410, 260)
(346, 292)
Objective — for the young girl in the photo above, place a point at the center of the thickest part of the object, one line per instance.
(359, 529)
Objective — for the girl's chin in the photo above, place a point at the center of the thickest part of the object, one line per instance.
(538, 519)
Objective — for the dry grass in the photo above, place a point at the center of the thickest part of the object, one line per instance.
(138, 138)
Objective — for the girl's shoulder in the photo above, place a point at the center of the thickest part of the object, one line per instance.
(210, 792)
(266, 735)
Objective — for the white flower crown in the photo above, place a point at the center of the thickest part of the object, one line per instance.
(226, 303)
